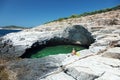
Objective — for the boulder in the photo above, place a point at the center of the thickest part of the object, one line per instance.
(117, 44)
(78, 74)
(15, 44)
(36, 69)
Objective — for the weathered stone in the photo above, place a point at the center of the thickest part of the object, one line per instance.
(88, 66)
(97, 49)
(85, 53)
(80, 75)
(112, 53)
(69, 35)
(101, 43)
(116, 31)
(93, 67)
(109, 76)
(32, 69)
(117, 44)
(106, 31)
(58, 76)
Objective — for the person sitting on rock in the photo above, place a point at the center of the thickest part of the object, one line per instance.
(73, 52)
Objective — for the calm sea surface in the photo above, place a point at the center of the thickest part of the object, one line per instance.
(4, 32)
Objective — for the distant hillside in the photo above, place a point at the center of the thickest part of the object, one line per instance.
(103, 19)
(13, 27)
(89, 13)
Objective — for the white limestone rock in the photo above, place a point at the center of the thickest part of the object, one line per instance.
(93, 67)
(108, 76)
(33, 69)
(112, 53)
(15, 44)
(58, 76)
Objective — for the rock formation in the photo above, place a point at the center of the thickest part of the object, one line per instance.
(100, 62)
(16, 44)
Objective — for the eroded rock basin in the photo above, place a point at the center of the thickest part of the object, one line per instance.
(21, 44)
(58, 49)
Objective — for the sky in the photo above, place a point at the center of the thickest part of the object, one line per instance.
(31, 13)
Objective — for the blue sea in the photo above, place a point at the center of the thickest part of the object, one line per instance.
(4, 32)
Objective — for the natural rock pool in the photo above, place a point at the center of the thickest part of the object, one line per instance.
(59, 49)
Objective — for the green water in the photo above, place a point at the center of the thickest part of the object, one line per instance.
(60, 49)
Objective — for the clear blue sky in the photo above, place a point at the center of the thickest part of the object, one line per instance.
(32, 13)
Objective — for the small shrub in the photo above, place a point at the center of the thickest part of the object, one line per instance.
(60, 19)
(74, 16)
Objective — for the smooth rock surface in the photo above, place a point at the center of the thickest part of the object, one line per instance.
(112, 53)
(108, 76)
(93, 67)
(58, 76)
(33, 69)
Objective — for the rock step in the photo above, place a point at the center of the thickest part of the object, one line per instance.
(94, 67)
(112, 53)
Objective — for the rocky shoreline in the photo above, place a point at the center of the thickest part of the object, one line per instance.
(100, 62)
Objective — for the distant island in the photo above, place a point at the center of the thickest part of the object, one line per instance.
(13, 27)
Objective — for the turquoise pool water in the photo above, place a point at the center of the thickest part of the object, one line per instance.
(60, 49)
